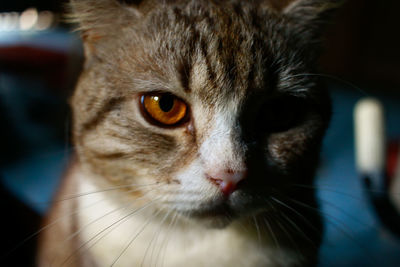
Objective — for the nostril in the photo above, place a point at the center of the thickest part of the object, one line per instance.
(227, 187)
(227, 180)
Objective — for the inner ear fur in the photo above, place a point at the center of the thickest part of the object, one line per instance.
(98, 18)
(305, 11)
(306, 17)
(315, 6)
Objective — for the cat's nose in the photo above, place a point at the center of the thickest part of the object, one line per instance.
(226, 180)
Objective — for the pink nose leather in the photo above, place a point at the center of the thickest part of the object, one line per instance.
(227, 180)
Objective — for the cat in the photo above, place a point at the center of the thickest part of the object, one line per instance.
(193, 122)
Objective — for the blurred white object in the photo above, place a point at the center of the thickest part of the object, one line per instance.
(370, 140)
(371, 158)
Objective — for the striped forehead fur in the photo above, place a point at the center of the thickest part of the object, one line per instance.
(205, 27)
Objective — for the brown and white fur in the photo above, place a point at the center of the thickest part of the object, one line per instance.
(139, 194)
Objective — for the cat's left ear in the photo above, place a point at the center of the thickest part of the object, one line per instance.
(99, 19)
(307, 16)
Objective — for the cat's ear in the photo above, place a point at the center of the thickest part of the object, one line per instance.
(308, 16)
(96, 19)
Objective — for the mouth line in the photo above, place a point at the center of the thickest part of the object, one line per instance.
(221, 210)
(227, 209)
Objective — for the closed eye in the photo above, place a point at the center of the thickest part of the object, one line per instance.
(281, 114)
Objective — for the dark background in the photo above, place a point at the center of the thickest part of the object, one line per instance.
(21, 5)
(363, 44)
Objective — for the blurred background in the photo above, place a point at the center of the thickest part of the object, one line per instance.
(40, 60)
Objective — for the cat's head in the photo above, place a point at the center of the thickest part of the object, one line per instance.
(211, 100)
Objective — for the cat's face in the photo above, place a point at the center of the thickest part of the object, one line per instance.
(208, 100)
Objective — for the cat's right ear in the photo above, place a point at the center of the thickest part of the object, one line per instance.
(98, 19)
(308, 17)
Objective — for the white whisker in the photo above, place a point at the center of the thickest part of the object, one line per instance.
(154, 239)
(112, 226)
(271, 233)
(257, 229)
(133, 238)
(104, 190)
(289, 237)
(166, 240)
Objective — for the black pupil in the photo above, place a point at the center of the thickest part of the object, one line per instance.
(166, 103)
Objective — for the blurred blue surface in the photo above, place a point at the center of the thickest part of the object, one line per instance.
(34, 176)
(35, 179)
(354, 236)
(59, 40)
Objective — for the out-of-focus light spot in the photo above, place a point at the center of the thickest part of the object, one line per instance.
(45, 20)
(28, 19)
(9, 21)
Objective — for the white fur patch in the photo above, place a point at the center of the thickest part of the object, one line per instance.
(151, 238)
(218, 151)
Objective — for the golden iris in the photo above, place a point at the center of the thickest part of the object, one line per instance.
(164, 108)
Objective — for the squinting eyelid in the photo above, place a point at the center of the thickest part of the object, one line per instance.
(180, 94)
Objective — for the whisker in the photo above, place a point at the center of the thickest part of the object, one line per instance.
(298, 214)
(19, 245)
(333, 78)
(346, 213)
(134, 237)
(71, 197)
(333, 189)
(166, 240)
(154, 239)
(128, 203)
(315, 210)
(102, 191)
(346, 231)
(160, 247)
(290, 237)
(271, 233)
(120, 220)
(298, 229)
(257, 229)
(57, 220)
(327, 188)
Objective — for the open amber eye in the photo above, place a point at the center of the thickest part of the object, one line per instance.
(164, 108)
